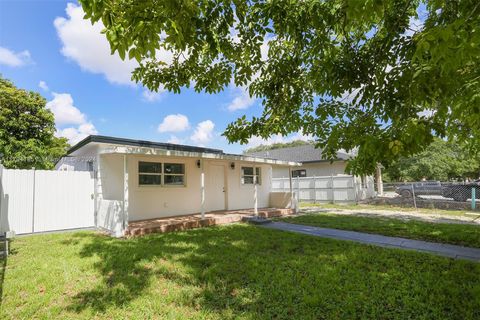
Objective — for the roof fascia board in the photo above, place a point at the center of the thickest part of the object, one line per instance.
(136, 143)
(323, 161)
(202, 155)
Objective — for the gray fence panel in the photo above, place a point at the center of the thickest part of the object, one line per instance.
(342, 188)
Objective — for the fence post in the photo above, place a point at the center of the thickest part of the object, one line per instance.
(298, 193)
(473, 198)
(355, 191)
(33, 202)
(314, 189)
(292, 200)
(255, 193)
(413, 194)
(95, 195)
(333, 189)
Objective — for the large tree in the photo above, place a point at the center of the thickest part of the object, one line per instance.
(441, 160)
(27, 130)
(374, 74)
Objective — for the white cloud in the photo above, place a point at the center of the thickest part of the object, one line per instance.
(83, 43)
(241, 97)
(426, 113)
(242, 100)
(301, 136)
(150, 96)
(349, 96)
(70, 121)
(414, 25)
(203, 132)
(64, 110)
(14, 59)
(43, 85)
(174, 123)
(75, 135)
(175, 140)
(255, 141)
(265, 47)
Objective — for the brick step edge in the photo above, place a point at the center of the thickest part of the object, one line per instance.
(276, 213)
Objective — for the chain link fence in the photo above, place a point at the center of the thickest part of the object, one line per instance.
(432, 194)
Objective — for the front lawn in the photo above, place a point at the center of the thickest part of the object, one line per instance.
(236, 271)
(460, 234)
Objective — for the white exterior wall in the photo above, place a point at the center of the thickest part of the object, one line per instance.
(79, 162)
(110, 177)
(149, 202)
(318, 169)
(240, 196)
(109, 192)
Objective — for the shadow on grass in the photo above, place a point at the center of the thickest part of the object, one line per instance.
(3, 265)
(257, 273)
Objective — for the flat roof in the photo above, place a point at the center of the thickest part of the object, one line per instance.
(304, 154)
(141, 143)
(169, 149)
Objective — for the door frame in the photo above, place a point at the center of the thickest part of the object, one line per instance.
(225, 181)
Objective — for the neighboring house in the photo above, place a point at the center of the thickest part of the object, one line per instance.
(311, 158)
(313, 166)
(138, 180)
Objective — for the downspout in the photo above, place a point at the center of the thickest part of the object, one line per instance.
(292, 197)
(125, 198)
(255, 191)
(202, 191)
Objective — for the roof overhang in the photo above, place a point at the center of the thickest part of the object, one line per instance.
(325, 160)
(96, 139)
(202, 155)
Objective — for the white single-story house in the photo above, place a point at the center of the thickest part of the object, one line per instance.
(140, 180)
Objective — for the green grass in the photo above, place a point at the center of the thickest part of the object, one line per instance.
(384, 207)
(460, 234)
(231, 272)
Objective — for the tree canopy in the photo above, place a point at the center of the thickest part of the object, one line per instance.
(441, 160)
(27, 130)
(383, 76)
(279, 145)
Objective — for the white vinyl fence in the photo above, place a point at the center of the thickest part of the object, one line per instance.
(40, 200)
(344, 188)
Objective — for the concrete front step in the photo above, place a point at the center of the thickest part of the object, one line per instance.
(275, 213)
(139, 228)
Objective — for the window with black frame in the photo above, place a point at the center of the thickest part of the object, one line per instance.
(249, 174)
(157, 174)
(301, 173)
(173, 174)
(149, 173)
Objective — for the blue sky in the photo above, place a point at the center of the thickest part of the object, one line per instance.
(47, 47)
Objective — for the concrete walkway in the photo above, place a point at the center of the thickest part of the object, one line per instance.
(446, 250)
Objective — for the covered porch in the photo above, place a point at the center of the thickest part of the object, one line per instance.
(186, 222)
(145, 190)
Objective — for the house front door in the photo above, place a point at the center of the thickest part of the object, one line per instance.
(215, 187)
